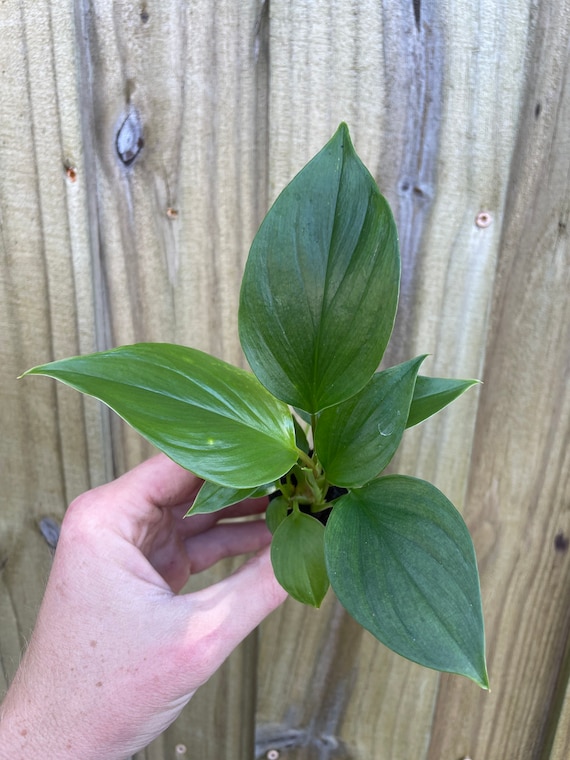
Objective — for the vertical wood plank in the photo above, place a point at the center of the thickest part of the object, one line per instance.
(443, 151)
(52, 446)
(171, 228)
(152, 250)
(519, 484)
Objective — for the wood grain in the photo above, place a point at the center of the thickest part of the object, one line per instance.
(46, 305)
(459, 109)
(455, 112)
(519, 485)
(172, 229)
(100, 252)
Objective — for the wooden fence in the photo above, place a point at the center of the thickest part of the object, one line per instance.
(461, 108)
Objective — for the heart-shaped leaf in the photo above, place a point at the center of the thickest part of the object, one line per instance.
(401, 561)
(212, 418)
(357, 439)
(432, 394)
(298, 558)
(320, 288)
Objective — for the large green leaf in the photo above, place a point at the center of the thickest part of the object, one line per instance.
(320, 288)
(356, 440)
(432, 394)
(212, 418)
(401, 561)
(298, 558)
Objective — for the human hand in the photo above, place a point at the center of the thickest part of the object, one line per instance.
(116, 653)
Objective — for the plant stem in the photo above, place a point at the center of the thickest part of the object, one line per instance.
(307, 460)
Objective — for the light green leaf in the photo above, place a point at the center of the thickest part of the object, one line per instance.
(401, 561)
(297, 555)
(432, 394)
(212, 497)
(357, 439)
(212, 418)
(320, 288)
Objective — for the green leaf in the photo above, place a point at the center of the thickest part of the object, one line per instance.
(320, 288)
(212, 497)
(212, 418)
(357, 439)
(298, 558)
(432, 394)
(401, 561)
(276, 512)
(301, 437)
(303, 415)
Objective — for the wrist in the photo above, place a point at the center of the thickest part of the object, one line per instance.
(33, 731)
(17, 728)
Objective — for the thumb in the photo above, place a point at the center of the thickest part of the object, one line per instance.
(221, 616)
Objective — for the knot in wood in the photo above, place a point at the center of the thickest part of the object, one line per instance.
(49, 529)
(129, 142)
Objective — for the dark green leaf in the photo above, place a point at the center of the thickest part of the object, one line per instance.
(276, 512)
(356, 440)
(212, 418)
(320, 287)
(297, 555)
(305, 416)
(401, 561)
(213, 497)
(433, 393)
(301, 437)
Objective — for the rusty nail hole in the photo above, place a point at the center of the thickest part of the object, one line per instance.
(171, 213)
(70, 172)
(483, 219)
(272, 754)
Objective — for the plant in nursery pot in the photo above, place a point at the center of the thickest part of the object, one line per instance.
(315, 422)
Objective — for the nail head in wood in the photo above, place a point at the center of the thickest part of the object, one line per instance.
(483, 219)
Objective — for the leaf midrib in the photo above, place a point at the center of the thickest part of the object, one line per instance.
(238, 419)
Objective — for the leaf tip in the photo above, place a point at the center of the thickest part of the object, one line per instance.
(479, 674)
(31, 371)
(484, 682)
(40, 369)
(343, 135)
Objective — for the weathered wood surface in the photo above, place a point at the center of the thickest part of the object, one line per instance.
(459, 109)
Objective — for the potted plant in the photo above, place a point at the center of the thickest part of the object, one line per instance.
(315, 424)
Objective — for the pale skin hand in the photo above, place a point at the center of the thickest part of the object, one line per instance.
(116, 653)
